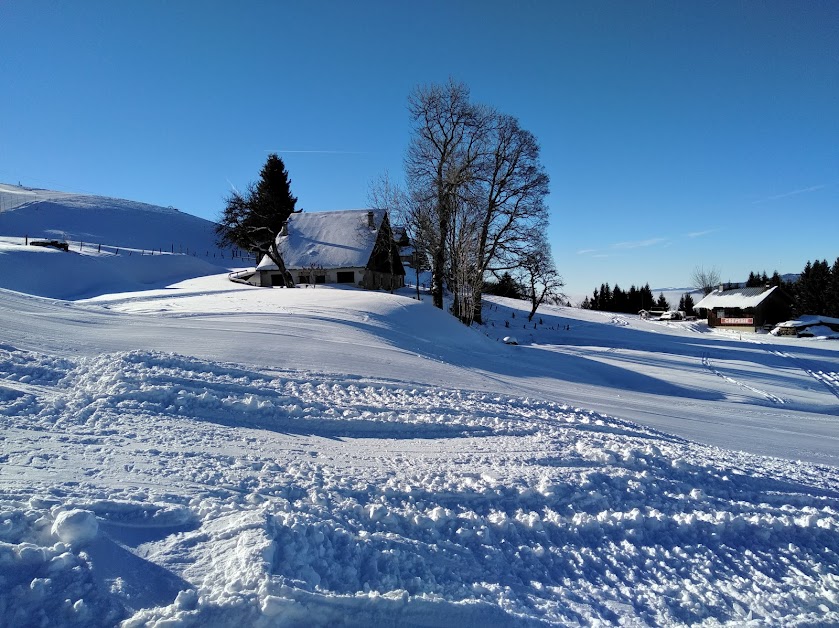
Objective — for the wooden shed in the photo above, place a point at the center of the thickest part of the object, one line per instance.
(746, 309)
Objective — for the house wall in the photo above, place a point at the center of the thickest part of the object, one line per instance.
(330, 275)
(375, 280)
(773, 310)
(734, 318)
(364, 277)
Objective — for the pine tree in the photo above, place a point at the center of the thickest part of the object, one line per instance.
(252, 220)
(833, 291)
(506, 287)
(647, 300)
(662, 302)
(688, 304)
(812, 288)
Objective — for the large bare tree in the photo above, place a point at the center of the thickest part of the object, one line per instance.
(477, 192)
(513, 185)
(446, 144)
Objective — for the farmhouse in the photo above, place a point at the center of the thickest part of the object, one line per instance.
(746, 309)
(341, 247)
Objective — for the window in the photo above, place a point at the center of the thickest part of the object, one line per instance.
(303, 279)
(346, 276)
(320, 278)
(277, 279)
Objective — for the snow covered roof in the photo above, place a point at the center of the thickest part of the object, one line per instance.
(338, 239)
(736, 298)
(811, 319)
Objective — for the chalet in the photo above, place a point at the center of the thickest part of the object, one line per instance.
(746, 309)
(341, 247)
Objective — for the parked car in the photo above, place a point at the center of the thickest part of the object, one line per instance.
(673, 315)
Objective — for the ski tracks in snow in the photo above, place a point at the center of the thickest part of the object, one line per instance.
(706, 362)
(208, 493)
(830, 379)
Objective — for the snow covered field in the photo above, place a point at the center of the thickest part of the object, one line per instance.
(208, 454)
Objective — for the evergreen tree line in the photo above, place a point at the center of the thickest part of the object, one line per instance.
(817, 289)
(631, 301)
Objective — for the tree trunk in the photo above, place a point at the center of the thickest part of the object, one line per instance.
(274, 254)
(438, 272)
(477, 301)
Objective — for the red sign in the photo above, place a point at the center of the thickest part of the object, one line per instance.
(737, 321)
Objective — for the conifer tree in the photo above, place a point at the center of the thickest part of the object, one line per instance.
(811, 289)
(252, 220)
(688, 305)
(833, 291)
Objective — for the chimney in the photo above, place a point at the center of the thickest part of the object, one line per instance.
(721, 287)
(370, 220)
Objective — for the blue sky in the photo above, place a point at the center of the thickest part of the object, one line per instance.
(676, 134)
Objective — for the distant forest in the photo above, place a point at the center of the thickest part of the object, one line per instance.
(815, 291)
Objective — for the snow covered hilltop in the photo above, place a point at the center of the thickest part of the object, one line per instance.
(211, 454)
(85, 218)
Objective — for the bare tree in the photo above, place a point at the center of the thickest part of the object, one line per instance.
(513, 186)
(444, 148)
(705, 280)
(477, 191)
(539, 276)
(463, 273)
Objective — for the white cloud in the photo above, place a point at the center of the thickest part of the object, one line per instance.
(699, 234)
(793, 193)
(637, 244)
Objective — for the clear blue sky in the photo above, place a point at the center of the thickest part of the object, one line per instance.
(676, 134)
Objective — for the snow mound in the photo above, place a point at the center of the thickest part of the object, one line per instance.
(76, 527)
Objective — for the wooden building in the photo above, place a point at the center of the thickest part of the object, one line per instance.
(746, 309)
(341, 247)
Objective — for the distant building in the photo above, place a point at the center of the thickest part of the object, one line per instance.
(746, 309)
(341, 247)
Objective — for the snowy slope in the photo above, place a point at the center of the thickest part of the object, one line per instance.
(210, 494)
(88, 271)
(101, 220)
(212, 454)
